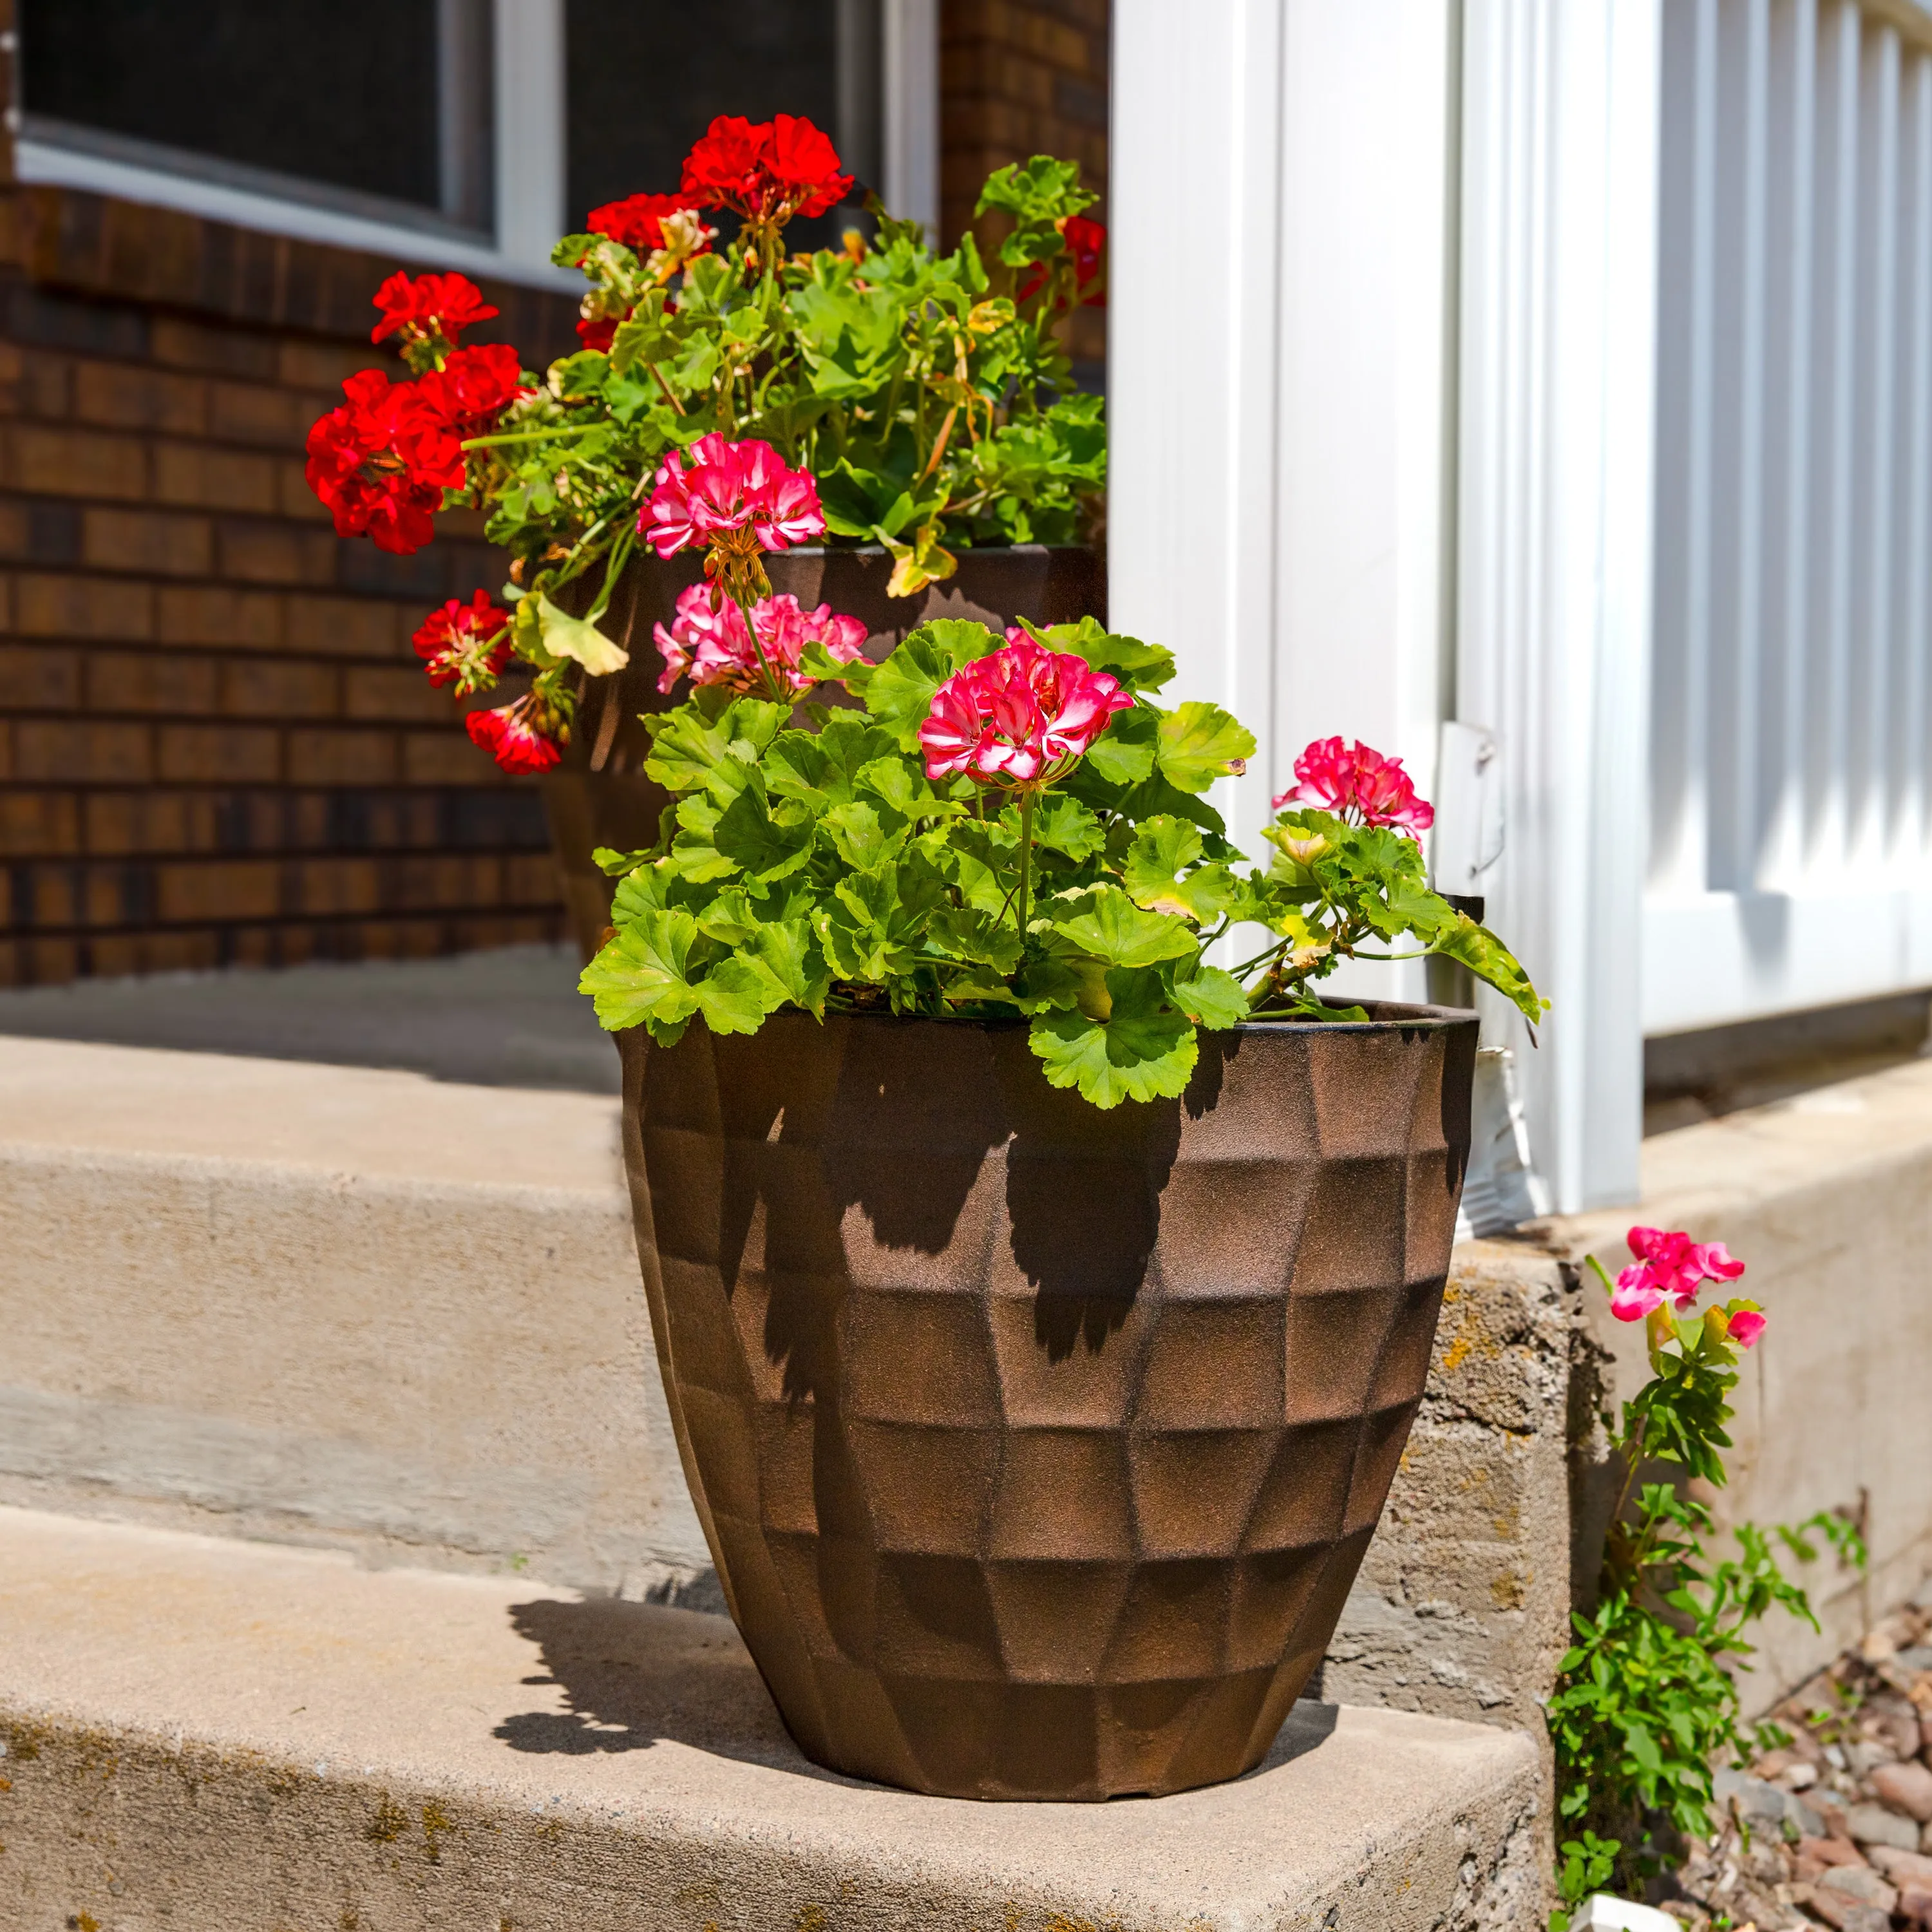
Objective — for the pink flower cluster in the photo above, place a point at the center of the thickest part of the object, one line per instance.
(713, 646)
(1671, 1266)
(1357, 784)
(1021, 716)
(730, 488)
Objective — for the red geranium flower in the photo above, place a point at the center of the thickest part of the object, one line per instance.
(598, 332)
(465, 644)
(475, 386)
(768, 170)
(381, 461)
(637, 221)
(1020, 715)
(731, 487)
(1086, 247)
(429, 307)
(1358, 784)
(522, 737)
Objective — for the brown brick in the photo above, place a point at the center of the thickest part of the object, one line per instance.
(74, 750)
(81, 606)
(119, 823)
(73, 463)
(219, 754)
(341, 757)
(118, 396)
(446, 758)
(37, 678)
(147, 540)
(255, 412)
(260, 688)
(397, 694)
(215, 479)
(161, 681)
(274, 553)
(340, 885)
(207, 615)
(49, 962)
(327, 365)
(530, 878)
(224, 889)
(47, 895)
(360, 627)
(6, 763)
(45, 385)
(221, 352)
(16, 530)
(38, 824)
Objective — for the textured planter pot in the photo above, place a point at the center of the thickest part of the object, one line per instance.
(599, 796)
(1038, 1447)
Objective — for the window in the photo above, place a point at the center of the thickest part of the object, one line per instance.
(753, 58)
(378, 106)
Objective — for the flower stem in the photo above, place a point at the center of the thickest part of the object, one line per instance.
(1026, 798)
(764, 663)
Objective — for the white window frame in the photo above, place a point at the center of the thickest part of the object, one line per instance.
(530, 151)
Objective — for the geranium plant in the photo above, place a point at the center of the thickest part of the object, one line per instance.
(1647, 1699)
(983, 827)
(928, 397)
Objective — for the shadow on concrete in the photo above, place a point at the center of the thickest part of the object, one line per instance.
(512, 1017)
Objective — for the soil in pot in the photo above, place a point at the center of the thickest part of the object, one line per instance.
(599, 795)
(1038, 1447)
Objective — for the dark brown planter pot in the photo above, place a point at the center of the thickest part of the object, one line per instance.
(599, 796)
(1038, 1447)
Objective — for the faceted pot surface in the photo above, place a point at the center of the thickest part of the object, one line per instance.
(1038, 1447)
(599, 795)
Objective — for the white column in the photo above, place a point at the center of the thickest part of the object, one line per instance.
(1281, 183)
(1559, 227)
(909, 56)
(531, 151)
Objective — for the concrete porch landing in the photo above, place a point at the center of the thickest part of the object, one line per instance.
(201, 1732)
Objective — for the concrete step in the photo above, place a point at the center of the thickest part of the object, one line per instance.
(204, 1732)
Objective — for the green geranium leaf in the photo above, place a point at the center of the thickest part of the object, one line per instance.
(1124, 753)
(977, 938)
(1201, 742)
(643, 976)
(1161, 872)
(1116, 930)
(645, 890)
(784, 951)
(1063, 824)
(1139, 667)
(735, 997)
(1210, 998)
(729, 919)
(689, 743)
(1144, 1048)
(821, 768)
(899, 693)
(766, 843)
(858, 836)
(1477, 948)
(902, 784)
(577, 639)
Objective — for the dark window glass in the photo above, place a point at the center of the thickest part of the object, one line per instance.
(647, 77)
(347, 94)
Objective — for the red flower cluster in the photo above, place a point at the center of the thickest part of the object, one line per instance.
(1358, 784)
(743, 488)
(1021, 716)
(1087, 246)
(768, 171)
(431, 308)
(636, 222)
(519, 736)
(466, 645)
(714, 647)
(381, 460)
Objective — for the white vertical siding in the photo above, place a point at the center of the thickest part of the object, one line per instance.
(1790, 845)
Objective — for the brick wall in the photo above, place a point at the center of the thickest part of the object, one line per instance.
(216, 744)
(1019, 78)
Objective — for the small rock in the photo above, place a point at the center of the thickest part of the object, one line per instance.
(1862, 1883)
(1811, 1824)
(1898, 1728)
(1902, 1867)
(1865, 1755)
(1907, 1788)
(1826, 1852)
(1752, 1798)
(1874, 1825)
(1914, 1902)
(1846, 1914)
(1798, 1776)
(1919, 1657)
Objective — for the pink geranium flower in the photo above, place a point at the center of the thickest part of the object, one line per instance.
(1358, 784)
(1670, 1267)
(714, 648)
(744, 489)
(1021, 716)
(1746, 1324)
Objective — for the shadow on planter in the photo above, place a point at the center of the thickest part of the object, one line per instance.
(599, 795)
(1037, 1447)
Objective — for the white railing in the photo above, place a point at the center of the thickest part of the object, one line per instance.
(1791, 715)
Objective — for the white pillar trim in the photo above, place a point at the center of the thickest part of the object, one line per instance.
(531, 153)
(909, 61)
